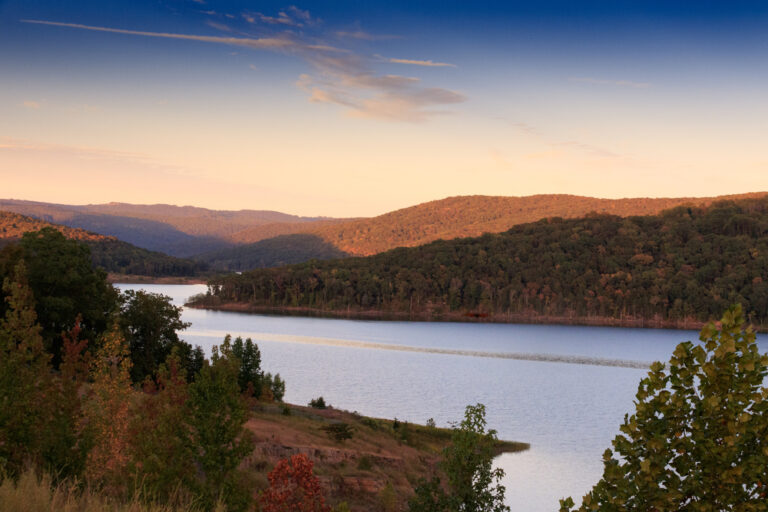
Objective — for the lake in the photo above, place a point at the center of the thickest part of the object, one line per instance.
(563, 389)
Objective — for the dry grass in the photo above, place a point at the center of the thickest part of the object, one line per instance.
(32, 493)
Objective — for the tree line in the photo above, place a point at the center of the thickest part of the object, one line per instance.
(685, 263)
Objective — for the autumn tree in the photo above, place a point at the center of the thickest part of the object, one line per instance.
(293, 487)
(698, 438)
(107, 413)
(472, 484)
(65, 449)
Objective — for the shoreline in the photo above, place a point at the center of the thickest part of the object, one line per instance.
(510, 318)
(113, 278)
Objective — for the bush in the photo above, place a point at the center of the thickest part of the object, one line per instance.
(318, 403)
(339, 432)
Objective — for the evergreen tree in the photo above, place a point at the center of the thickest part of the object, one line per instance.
(25, 378)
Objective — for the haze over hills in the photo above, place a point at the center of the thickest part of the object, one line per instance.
(107, 252)
(208, 235)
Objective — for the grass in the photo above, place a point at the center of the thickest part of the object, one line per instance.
(34, 493)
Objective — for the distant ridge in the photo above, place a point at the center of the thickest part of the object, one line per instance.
(107, 252)
(464, 216)
(187, 231)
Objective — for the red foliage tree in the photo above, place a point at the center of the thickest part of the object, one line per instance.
(293, 488)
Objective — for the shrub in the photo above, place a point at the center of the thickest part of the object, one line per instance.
(318, 403)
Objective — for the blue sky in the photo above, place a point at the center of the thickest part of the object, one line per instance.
(357, 108)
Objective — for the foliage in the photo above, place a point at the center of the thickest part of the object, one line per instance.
(272, 252)
(339, 432)
(24, 378)
(684, 264)
(64, 285)
(293, 488)
(275, 385)
(473, 485)
(163, 456)
(697, 440)
(217, 412)
(250, 375)
(318, 403)
(150, 324)
(106, 415)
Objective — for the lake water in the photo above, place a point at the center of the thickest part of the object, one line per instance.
(563, 389)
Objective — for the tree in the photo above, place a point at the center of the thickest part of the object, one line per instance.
(64, 284)
(163, 457)
(217, 412)
(473, 485)
(150, 324)
(106, 415)
(24, 378)
(293, 487)
(697, 440)
(250, 374)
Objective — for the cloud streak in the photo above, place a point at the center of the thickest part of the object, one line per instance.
(341, 76)
(425, 63)
(619, 83)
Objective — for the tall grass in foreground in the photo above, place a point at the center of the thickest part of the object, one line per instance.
(32, 493)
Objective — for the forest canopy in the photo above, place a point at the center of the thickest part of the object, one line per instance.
(686, 263)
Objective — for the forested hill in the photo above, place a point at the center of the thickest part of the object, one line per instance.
(107, 252)
(465, 216)
(685, 264)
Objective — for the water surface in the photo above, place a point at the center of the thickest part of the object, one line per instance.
(563, 389)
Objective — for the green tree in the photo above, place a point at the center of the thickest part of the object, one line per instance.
(473, 485)
(250, 375)
(64, 284)
(161, 444)
(698, 438)
(217, 412)
(150, 324)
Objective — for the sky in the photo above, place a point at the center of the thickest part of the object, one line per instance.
(354, 108)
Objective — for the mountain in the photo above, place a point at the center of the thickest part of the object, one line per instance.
(678, 268)
(176, 230)
(107, 252)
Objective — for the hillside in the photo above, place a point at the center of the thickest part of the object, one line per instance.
(358, 470)
(272, 252)
(107, 252)
(186, 231)
(176, 230)
(465, 216)
(678, 268)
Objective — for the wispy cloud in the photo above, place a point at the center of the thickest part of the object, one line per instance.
(342, 77)
(619, 83)
(425, 63)
(31, 104)
(364, 36)
(292, 17)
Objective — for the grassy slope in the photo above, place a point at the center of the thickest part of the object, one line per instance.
(356, 470)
